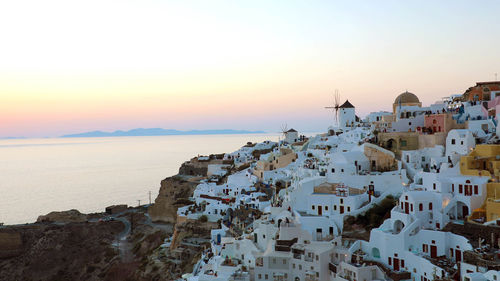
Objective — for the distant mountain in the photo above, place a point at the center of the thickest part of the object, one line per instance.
(12, 138)
(157, 132)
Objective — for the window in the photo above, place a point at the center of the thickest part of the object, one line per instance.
(300, 267)
(313, 207)
(326, 208)
(274, 260)
(284, 261)
(430, 206)
(434, 186)
(266, 276)
(293, 266)
(260, 276)
(341, 201)
(333, 170)
(420, 207)
(342, 170)
(403, 142)
(452, 187)
(348, 209)
(390, 261)
(411, 207)
(460, 187)
(423, 158)
(335, 207)
(476, 189)
(452, 141)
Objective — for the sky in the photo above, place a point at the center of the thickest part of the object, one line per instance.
(76, 66)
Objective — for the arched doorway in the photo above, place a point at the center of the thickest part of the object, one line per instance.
(398, 226)
(391, 144)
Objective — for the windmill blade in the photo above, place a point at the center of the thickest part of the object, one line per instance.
(284, 128)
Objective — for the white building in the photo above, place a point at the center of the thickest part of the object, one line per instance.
(459, 142)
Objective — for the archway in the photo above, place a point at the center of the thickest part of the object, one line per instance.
(398, 226)
(375, 252)
(391, 144)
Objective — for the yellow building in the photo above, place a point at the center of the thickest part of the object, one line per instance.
(398, 141)
(484, 160)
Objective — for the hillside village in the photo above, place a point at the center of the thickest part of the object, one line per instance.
(412, 194)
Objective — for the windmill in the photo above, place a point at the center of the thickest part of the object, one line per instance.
(335, 107)
(284, 129)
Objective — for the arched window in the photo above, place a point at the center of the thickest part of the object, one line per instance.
(430, 206)
(375, 252)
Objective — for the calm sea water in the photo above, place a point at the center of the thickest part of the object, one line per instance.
(38, 176)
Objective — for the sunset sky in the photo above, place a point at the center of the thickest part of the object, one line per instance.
(74, 66)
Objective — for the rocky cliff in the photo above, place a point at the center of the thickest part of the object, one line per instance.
(174, 193)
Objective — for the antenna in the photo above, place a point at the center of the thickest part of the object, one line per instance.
(335, 107)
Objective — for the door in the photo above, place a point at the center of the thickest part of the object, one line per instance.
(465, 211)
(320, 210)
(407, 208)
(433, 251)
(458, 255)
(341, 209)
(396, 264)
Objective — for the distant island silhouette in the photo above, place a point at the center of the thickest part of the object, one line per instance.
(157, 132)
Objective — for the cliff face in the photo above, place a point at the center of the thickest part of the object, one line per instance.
(11, 244)
(174, 193)
(72, 251)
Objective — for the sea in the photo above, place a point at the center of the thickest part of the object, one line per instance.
(38, 176)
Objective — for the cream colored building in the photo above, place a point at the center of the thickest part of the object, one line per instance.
(275, 161)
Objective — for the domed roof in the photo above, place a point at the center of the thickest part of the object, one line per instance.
(406, 97)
